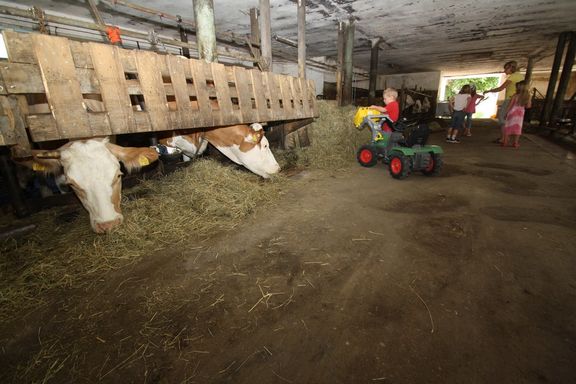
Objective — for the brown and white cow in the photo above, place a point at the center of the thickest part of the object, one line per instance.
(92, 168)
(245, 145)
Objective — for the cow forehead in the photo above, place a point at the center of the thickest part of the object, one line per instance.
(90, 160)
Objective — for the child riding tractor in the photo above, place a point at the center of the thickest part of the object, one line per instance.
(404, 149)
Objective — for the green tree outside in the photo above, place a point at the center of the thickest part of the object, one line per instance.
(482, 84)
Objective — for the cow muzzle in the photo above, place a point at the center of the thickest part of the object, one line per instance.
(107, 226)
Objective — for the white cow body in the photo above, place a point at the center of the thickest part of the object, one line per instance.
(244, 145)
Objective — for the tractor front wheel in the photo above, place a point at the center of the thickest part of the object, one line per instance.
(434, 165)
(367, 156)
(399, 166)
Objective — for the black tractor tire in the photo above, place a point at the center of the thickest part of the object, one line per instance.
(399, 166)
(367, 156)
(435, 165)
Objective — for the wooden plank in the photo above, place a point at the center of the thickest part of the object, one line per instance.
(81, 54)
(294, 83)
(43, 127)
(27, 78)
(273, 94)
(108, 69)
(177, 67)
(62, 86)
(128, 60)
(153, 89)
(19, 47)
(100, 123)
(12, 125)
(22, 78)
(264, 114)
(305, 96)
(245, 95)
(286, 91)
(226, 114)
(312, 98)
(202, 97)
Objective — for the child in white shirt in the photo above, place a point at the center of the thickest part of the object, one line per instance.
(458, 105)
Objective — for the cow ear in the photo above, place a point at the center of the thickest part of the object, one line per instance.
(254, 137)
(42, 161)
(133, 158)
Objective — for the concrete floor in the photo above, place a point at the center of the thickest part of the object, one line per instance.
(469, 277)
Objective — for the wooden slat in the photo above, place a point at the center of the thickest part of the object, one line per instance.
(62, 86)
(42, 127)
(26, 78)
(226, 114)
(197, 68)
(312, 97)
(153, 89)
(12, 125)
(22, 78)
(81, 54)
(100, 123)
(19, 47)
(286, 91)
(297, 94)
(273, 93)
(305, 97)
(108, 69)
(245, 94)
(128, 60)
(264, 114)
(177, 67)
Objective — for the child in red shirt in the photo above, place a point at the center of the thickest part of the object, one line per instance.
(392, 109)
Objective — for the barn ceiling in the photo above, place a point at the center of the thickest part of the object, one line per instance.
(455, 36)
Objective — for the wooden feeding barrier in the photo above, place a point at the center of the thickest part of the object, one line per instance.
(53, 88)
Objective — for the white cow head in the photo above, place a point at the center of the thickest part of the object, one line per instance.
(92, 169)
(247, 146)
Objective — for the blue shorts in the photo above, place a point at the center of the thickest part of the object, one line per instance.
(458, 120)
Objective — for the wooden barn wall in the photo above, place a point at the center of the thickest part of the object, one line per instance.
(62, 89)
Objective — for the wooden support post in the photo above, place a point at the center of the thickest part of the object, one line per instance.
(255, 33)
(545, 117)
(205, 30)
(302, 38)
(348, 64)
(340, 64)
(529, 69)
(564, 78)
(183, 37)
(374, 67)
(265, 35)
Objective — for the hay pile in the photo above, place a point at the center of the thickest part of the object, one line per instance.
(186, 206)
(333, 138)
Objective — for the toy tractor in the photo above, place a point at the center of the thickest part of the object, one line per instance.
(403, 150)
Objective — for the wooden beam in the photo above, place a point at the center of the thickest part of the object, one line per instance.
(302, 38)
(255, 34)
(374, 67)
(205, 30)
(98, 18)
(265, 35)
(545, 117)
(564, 78)
(348, 64)
(340, 64)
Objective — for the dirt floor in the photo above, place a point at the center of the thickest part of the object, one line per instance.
(469, 277)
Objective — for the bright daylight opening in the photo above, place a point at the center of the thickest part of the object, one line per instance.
(451, 85)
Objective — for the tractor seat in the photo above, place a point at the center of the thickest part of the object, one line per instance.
(417, 136)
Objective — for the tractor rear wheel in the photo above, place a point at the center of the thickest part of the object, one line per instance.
(367, 156)
(434, 166)
(399, 166)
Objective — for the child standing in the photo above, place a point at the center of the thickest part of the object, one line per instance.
(470, 109)
(392, 108)
(457, 104)
(515, 114)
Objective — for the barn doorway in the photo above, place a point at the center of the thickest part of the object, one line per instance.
(451, 85)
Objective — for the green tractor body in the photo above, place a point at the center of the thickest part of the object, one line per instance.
(403, 150)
